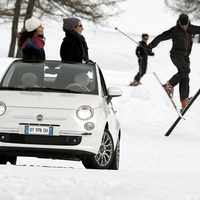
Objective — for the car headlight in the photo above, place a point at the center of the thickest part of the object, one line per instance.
(84, 112)
(2, 108)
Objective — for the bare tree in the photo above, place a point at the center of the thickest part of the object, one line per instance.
(185, 6)
(96, 11)
(29, 10)
(191, 7)
(14, 28)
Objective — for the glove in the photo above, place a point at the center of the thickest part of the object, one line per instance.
(29, 44)
(29, 41)
(149, 48)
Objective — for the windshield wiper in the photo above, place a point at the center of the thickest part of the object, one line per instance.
(39, 89)
(58, 90)
(10, 88)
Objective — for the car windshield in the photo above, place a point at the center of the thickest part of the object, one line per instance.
(50, 76)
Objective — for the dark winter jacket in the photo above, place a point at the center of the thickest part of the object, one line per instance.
(182, 40)
(33, 49)
(141, 52)
(73, 47)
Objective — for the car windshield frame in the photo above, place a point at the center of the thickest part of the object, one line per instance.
(51, 76)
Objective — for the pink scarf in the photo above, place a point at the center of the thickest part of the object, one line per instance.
(38, 41)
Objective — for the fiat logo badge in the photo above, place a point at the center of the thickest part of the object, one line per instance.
(40, 117)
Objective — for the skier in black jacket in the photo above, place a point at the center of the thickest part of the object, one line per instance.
(182, 36)
(142, 59)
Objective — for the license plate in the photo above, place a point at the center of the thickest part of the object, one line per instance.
(43, 130)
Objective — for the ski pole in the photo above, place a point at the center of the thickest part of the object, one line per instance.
(129, 37)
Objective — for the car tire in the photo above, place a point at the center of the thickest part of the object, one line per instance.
(116, 157)
(12, 160)
(104, 158)
(4, 159)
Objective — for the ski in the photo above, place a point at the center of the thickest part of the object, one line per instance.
(171, 100)
(183, 112)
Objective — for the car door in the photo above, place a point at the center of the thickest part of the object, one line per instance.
(108, 108)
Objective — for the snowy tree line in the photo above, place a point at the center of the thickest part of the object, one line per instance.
(96, 11)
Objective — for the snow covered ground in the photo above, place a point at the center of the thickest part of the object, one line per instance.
(152, 167)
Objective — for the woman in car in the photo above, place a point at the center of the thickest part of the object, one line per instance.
(74, 47)
(31, 40)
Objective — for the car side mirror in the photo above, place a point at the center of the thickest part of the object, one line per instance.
(114, 92)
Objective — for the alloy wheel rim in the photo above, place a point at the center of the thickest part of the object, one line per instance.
(105, 151)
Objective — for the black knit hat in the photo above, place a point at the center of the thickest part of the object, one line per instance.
(183, 19)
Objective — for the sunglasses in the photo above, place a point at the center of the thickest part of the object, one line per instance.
(145, 38)
(184, 24)
(81, 26)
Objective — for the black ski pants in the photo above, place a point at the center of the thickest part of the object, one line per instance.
(142, 69)
(182, 76)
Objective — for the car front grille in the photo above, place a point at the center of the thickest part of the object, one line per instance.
(40, 139)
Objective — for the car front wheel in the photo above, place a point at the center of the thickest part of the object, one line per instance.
(4, 159)
(104, 158)
(116, 157)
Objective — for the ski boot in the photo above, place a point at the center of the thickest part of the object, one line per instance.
(135, 83)
(169, 88)
(185, 102)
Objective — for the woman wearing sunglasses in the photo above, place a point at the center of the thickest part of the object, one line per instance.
(74, 47)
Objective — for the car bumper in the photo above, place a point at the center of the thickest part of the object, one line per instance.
(67, 145)
(45, 153)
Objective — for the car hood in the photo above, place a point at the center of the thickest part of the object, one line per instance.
(48, 99)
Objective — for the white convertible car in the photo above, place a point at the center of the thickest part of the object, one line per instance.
(58, 110)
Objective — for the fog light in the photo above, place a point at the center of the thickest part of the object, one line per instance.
(2, 137)
(89, 126)
(74, 140)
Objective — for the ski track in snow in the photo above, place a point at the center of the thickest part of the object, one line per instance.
(152, 166)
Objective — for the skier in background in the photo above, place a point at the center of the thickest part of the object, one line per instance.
(182, 35)
(142, 59)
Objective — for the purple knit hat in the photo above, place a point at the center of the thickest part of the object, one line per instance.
(70, 23)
